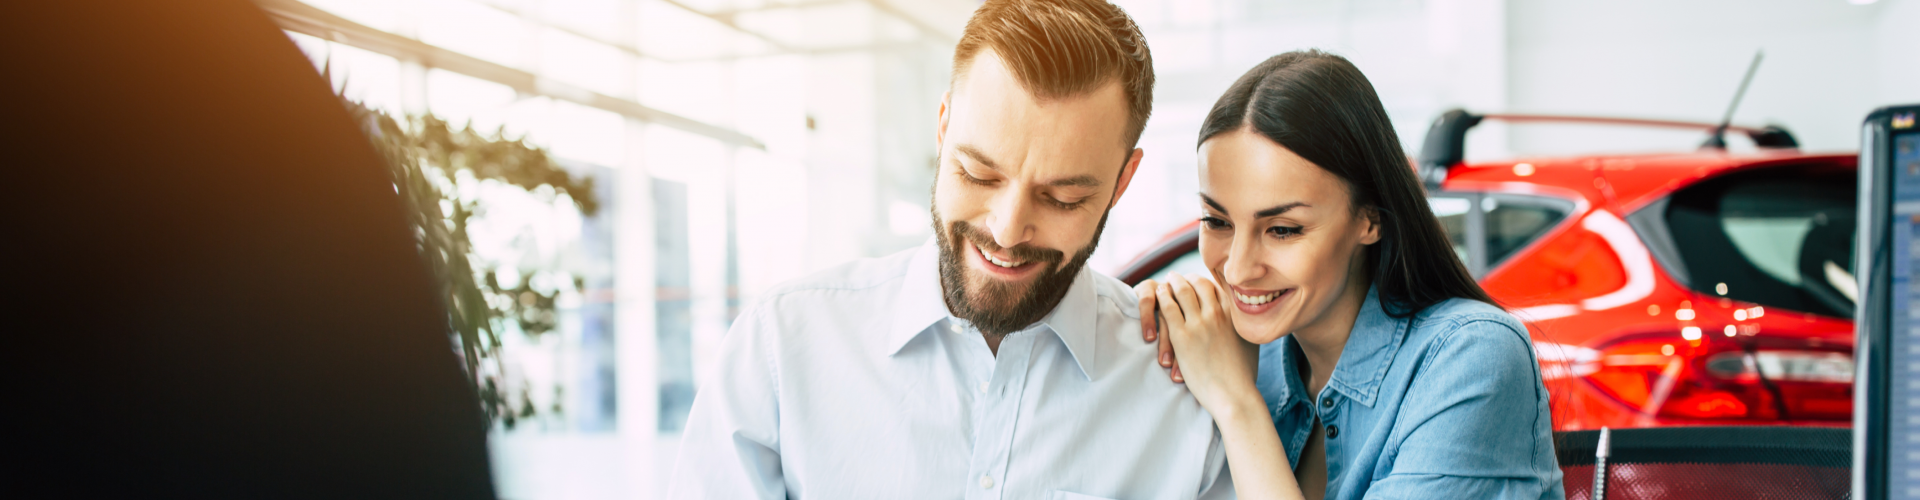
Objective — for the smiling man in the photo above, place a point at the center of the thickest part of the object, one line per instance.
(989, 363)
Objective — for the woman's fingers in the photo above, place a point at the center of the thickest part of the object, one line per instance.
(1169, 308)
(1208, 292)
(1149, 329)
(1166, 352)
(1189, 302)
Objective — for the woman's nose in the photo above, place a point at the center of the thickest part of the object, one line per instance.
(1243, 263)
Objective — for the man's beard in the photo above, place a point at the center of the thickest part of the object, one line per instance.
(995, 307)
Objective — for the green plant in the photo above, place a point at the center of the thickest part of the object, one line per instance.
(430, 160)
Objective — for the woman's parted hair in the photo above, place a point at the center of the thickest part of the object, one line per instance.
(1321, 107)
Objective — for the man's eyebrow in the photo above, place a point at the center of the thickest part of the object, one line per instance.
(1076, 181)
(981, 157)
(1276, 210)
(977, 156)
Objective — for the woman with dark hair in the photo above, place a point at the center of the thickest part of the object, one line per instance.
(1340, 345)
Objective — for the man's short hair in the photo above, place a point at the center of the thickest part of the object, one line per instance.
(1064, 48)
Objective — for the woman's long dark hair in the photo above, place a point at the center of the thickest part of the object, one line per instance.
(1319, 106)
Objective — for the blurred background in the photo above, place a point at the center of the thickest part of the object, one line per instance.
(735, 144)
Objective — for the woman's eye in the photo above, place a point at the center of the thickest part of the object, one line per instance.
(1213, 222)
(1284, 231)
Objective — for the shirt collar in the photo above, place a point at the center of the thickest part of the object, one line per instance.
(1076, 321)
(1375, 338)
(922, 303)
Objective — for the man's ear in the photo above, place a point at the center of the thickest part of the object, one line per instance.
(1372, 232)
(1126, 176)
(940, 130)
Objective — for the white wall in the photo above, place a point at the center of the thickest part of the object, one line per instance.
(1896, 61)
(1827, 64)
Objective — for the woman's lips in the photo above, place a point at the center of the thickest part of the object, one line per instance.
(1253, 301)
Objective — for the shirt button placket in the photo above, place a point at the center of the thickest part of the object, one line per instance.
(1329, 415)
(1000, 404)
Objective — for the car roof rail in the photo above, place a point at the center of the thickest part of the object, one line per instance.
(1446, 142)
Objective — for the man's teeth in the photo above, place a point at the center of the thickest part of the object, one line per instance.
(1001, 263)
(1257, 299)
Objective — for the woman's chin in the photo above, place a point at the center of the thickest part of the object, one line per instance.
(1261, 331)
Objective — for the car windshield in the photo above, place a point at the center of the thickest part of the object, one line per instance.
(1779, 237)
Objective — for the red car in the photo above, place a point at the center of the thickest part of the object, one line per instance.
(1698, 288)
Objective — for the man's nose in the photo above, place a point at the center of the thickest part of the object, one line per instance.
(1011, 219)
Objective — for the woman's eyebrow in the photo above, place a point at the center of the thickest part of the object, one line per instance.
(1276, 210)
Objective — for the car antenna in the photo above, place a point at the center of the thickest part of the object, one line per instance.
(1717, 139)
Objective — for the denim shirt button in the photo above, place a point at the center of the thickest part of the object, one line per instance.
(1333, 431)
(1326, 402)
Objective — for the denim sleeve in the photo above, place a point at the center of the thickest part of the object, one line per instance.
(1469, 426)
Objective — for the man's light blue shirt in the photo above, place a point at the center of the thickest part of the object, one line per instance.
(857, 383)
(1447, 403)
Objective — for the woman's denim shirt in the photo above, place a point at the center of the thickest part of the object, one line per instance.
(1445, 404)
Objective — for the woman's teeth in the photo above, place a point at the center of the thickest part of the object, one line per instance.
(1256, 299)
(1001, 263)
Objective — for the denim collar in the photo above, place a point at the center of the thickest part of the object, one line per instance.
(921, 303)
(1375, 338)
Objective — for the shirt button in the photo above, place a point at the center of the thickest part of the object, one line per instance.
(1333, 431)
(1326, 402)
(986, 482)
(983, 387)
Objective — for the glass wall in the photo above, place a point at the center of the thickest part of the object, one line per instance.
(732, 145)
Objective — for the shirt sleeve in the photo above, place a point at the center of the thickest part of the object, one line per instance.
(731, 447)
(1473, 417)
(1220, 483)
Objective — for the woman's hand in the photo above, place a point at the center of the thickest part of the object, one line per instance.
(1218, 365)
(1150, 327)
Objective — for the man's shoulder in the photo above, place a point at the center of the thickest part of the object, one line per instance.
(865, 274)
(1115, 294)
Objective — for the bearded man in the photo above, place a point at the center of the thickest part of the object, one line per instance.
(988, 363)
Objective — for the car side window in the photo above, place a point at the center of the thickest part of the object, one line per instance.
(1514, 222)
(1488, 228)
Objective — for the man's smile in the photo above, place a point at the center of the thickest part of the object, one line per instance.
(1006, 267)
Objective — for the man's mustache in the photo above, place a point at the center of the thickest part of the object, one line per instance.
(1021, 252)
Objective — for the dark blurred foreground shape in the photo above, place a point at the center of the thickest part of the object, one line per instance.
(1713, 463)
(212, 291)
